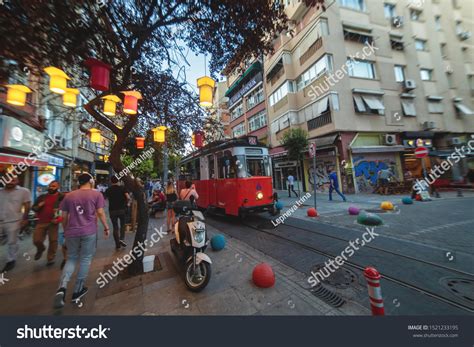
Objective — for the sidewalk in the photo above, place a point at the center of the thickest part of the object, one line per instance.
(31, 286)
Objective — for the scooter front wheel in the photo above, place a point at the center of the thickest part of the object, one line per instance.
(197, 280)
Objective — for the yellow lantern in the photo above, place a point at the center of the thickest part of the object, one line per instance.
(159, 133)
(16, 94)
(95, 135)
(70, 97)
(206, 88)
(193, 140)
(106, 158)
(130, 103)
(115, 136)
(110, 104)
(57, 79)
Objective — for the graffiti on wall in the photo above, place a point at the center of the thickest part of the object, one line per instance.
(322, 174)
(367, 167)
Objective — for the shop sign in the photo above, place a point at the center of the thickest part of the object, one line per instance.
(284, 164)
(247, 86)
(19, 136)
(45, 179)
(52, 160)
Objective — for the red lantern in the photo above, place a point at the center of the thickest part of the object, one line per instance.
(100, 74)
(130, 103)
(140, 142)
(198, 139)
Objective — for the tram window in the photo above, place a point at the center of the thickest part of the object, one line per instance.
(240, 166)
(212, 171)
(227, 167)
(195, 170)
(258, 166)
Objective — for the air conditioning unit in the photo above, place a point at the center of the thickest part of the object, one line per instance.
(454, 141)
(60, 141)
(390, 139)
(464, 35)
(409, 84)
(429, 125)
(397, 21)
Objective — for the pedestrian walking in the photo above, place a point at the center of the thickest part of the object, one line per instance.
(15, 204)
(47, 208)
(119, 200)
(334, 185)
(80, 210)
(171, 197)
(290, 180)
(384, 177)
(189, 192)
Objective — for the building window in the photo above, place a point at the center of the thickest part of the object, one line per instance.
(255, 98)
(399, 73)
(280, 93)
(361, 69)
(368, 103)
(437, 20)
(361, 36)
(389, 11)
(239, 130)
(358, 5)
(426, 74)
(237, 111)
(444, 50)
(408, 106)
(449, 76)
(415, 15)
(323, 65)
(470, 80)
(420, 45)
(435, 106)
(396, 42)
(258, 121)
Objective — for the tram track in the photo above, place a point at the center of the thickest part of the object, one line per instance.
(385, 275)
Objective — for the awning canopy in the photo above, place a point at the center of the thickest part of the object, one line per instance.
(377, 149)
(463, 109)
(255, 67)
(11, 159)
(324, 141)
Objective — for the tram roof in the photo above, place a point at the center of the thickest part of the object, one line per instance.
(212, 147)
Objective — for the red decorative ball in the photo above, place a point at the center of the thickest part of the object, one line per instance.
(263, 276)
(312, 212)
(418, 197)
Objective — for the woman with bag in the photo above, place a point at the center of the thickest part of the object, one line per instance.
(171, 197)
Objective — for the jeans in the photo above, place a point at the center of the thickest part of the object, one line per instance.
(39, 235)
(115, 217)
(291, 188)
(80, 248)
(331, 189)
(11, 229)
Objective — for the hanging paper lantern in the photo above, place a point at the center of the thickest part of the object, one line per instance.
(130, 103)
(100, 74)
(198, 138)
(70, 97)
(57, 80)
(95, 135)
(110, 104)
(193, 140)
(159, 133)
(206, 88)
(140, 142)
(16, 94)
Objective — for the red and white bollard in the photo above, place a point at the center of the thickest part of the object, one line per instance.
(375, 292)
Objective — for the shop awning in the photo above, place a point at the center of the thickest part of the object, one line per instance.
(324, 141)
(11, 159)
(377, 149)
(463, 109)
(254, 67)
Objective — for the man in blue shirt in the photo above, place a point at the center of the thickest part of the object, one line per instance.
(334, 185)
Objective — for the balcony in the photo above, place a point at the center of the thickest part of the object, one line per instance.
(320, 121)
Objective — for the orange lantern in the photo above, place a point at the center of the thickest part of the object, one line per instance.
(159, 133)
(130, 103)
(100, 74)
(16, 94)
(110, 104)
(95, 136)
(140, 142)
(57, 79)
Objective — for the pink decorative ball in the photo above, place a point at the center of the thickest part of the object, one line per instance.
(353, 211)
(263, 276)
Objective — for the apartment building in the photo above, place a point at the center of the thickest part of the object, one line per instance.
(218, 125)
(370, 80)
(246, 103)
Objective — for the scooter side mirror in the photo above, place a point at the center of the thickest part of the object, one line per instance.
(199, 215)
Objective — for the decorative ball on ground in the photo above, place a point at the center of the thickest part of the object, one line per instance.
(312, 212)
(418, 197)
(279, 205)
(353, 211)
(370, 219)
(263, 276)
(386, 205)
(218, 242)
(407, 200)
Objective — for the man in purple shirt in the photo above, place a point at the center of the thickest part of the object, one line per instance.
(80, 210)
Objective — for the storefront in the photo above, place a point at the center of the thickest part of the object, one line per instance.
(282, 168)
(43, 176)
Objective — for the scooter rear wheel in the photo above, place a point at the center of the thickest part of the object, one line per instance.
(194, 282)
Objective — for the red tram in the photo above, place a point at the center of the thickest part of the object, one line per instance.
(231, 176)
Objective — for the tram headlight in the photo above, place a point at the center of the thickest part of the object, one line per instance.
(259, 195)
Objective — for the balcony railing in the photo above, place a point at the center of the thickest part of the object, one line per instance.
(320, 121)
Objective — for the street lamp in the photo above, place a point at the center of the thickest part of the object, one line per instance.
(57, 79)
(110, 104)
(16, 94)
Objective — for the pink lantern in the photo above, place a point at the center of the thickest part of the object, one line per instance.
(100, 74)
(198, 139)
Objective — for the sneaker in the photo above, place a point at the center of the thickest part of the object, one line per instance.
(77, 296)
(122, 243)
(59, 298)
(8, 266)
(38, 254)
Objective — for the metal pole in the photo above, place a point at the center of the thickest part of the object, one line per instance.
(314, 177)
(165, 163)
